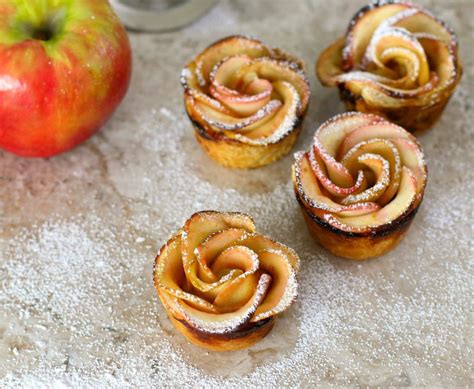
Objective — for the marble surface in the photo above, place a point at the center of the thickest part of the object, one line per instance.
(79, 232)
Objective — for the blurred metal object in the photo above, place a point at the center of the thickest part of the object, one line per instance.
(160, 15)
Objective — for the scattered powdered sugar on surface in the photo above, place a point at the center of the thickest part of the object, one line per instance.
(100, 327)
(79, 234)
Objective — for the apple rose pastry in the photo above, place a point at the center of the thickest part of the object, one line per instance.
(222, 283)
(246, 101)
(360, 184)
(397, 60)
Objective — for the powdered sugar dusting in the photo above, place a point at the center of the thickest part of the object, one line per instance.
(401, 320)
(408, 85)
(240, 125)
(356, 202)
(234, 320)
(285, 127)
(235, 121)
(383, 182)
(236, 258)
(289, 294)
(336, 318)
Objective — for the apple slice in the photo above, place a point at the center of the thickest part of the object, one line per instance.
(425, 23)
(387, 37)
(406, 60)
(211, 247)
(328, 138)
(402, 202)
(194, 92)
(169, 275)
(241, 103)
(283, 290)
(235, 293)
(228, 47)
(381, 169)
(381, 130)
(319, 170)
(336, 171)
(379, 95)
(444, 62)
(376, 93)
(195, 98)
(362, 28)
(388, 151)
(189, 79)
(257, 243)
(309, 191)
(332, 132)
(226, 122)
(412, 157)
(396, 38)
(197, 229)
(170, 303)
(256, 86)
(223, 73)
(329, 64)
(226, 322)
(236, 257)
(283, 120)
(275, 70)
(381, 78)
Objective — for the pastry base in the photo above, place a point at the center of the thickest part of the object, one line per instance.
(413, 119)
(244, 338)
(358, 246)
(235, 154)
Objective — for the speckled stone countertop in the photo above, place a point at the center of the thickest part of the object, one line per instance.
(79, 233)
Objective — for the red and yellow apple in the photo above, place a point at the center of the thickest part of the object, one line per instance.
(65, 66)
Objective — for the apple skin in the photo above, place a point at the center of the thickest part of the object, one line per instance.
(56, 93)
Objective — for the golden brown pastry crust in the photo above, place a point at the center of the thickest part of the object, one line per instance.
(353, 245)
(246, 101)
(237, 340)
(223, 284)
(398, 61)
(360, 184)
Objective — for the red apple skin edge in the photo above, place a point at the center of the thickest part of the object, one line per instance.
(65, 66)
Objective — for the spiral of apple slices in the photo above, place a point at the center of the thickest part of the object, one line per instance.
(395, 55)
(243, 90)
(361, 173)
(218, 275)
